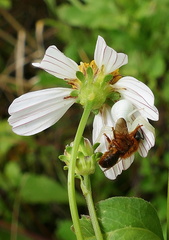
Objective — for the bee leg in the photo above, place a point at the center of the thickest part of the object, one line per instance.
(107, 138)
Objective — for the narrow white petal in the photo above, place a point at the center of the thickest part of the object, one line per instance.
(148, 135)
(97, 127)
(57, 64)
(117, 169)
(35, 111)
(139, 94)
(102, 123)
(102, 119)
(108, 57)
(147, 143)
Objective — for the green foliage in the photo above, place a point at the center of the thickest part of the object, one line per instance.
(64, 231)
(126, 219)
(5, 235)
(7, 139)
(13, 174)
(6, 4)
(41, 189)
(94, 14)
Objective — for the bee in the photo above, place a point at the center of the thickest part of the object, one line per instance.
(123, 145)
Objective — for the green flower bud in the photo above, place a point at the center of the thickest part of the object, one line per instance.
(86, 158)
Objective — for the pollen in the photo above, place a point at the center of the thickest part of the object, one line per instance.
(83, 67)
(116, 76)
(75, 83)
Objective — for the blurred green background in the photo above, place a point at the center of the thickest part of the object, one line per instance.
(33, 194)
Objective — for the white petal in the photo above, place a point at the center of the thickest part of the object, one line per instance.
(102, 123)
(35, 111)
(117, 169)
(139, 94)
(147, 143)
(144, 146)
(108, 57)
(57, 64)
(97, 127)
(121, 109)
(148, 134)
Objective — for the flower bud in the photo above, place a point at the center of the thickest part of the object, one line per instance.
(86, 158)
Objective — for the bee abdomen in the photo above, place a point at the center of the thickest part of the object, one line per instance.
(108, 159)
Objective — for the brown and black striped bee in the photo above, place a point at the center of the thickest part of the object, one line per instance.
(122, 146)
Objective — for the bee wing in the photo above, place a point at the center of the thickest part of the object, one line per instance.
(121, 127)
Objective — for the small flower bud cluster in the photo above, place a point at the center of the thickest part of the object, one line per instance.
(86, 158)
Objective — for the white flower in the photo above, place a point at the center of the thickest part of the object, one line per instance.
(35, 111)
(107, 118)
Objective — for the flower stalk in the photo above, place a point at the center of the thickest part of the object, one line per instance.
(71, 172)
(89, 200)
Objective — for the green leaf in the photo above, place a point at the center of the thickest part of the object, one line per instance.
(131, 234)
(42, 189)
(8, 138)
(87, 229)
(125, 219)
(94, 14)
(13, 173)
(64, 231)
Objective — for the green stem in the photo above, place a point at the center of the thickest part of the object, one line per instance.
(91, 208)
(71, 173)
(15, 216)
(168, 209)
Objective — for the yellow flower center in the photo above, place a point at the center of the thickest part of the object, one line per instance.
(83, 67)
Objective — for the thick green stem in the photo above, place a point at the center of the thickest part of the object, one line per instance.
(71, 173)
(168, 209)
(88, 195)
